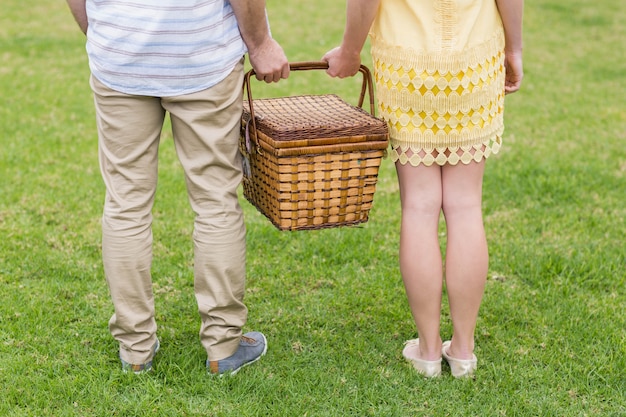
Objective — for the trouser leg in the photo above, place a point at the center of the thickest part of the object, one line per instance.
(206, 133)
(129, 128)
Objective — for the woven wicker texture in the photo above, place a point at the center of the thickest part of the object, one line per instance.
(311, 117)
(315, 191)
(311, 162)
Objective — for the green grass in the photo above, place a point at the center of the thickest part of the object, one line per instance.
(551, 336)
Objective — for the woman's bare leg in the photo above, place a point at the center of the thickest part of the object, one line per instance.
(420, 253)
(467, 256)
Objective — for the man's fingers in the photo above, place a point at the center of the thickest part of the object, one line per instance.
(275, 76)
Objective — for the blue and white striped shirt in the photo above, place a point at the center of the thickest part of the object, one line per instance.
(162, 48)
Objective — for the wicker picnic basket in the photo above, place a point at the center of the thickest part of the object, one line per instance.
(311, 161)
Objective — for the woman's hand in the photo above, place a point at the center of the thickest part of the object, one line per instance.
(342, 64)
(514, 71)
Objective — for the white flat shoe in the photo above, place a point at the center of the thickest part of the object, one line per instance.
(429, 369)
(461, 368)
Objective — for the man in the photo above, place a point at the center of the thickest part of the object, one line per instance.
(182, 57)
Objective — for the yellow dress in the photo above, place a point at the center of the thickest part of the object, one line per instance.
(439, 71)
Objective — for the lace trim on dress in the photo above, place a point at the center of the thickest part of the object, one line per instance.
(445, 155)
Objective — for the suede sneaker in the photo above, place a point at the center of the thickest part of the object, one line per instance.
(252, 346)
(142, 367)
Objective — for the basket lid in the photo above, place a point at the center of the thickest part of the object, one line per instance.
(313, 116)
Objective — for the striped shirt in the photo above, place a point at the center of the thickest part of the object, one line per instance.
(162, 48)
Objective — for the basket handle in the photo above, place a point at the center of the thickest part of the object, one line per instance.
(366, 86)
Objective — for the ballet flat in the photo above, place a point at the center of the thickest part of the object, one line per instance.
(426, 368)
(460, 368)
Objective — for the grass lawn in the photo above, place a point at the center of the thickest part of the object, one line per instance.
(551, 337)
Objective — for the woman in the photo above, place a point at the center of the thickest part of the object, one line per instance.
(442, 68)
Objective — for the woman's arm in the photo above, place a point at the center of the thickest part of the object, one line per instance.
(511, 12)
(344, 60)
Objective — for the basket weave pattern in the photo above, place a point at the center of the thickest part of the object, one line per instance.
(311, 162)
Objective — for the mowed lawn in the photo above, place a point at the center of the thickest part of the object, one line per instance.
(551, 337)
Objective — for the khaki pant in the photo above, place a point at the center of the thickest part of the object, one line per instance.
(205, 127)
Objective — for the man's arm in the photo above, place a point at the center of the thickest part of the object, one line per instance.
(266, 55)
(77, 7)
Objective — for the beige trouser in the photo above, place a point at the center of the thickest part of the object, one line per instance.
(205, 127)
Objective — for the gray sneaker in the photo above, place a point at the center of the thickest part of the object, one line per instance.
(142, 367)
(252, 346)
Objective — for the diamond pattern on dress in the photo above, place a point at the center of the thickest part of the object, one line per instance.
(441, 112)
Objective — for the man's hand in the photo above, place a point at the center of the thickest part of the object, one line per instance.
(269, 61)
(266, 55)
